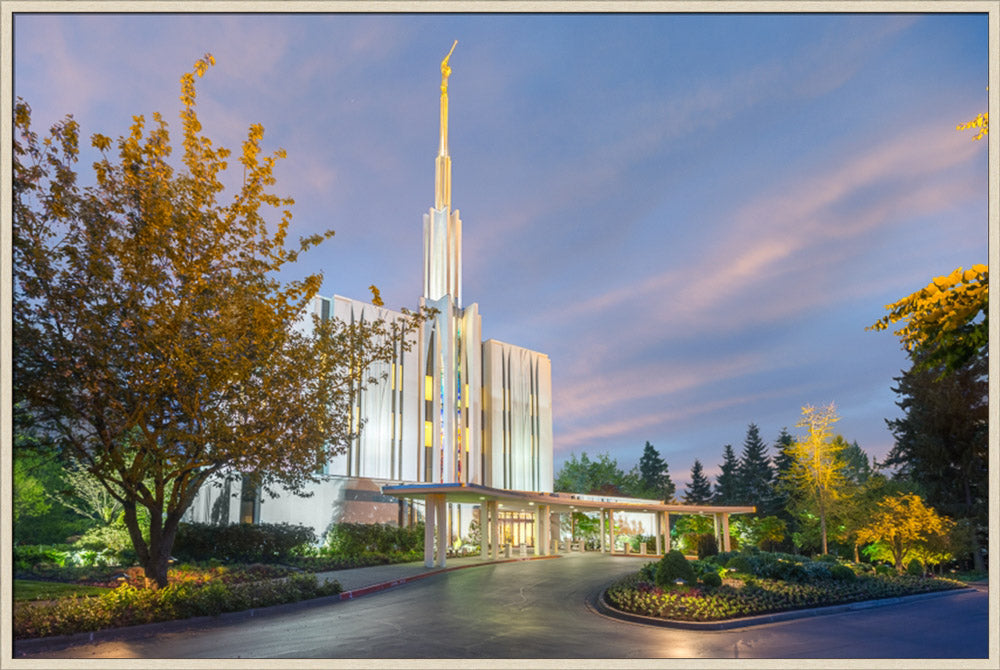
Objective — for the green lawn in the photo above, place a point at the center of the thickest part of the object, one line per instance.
(29, 589)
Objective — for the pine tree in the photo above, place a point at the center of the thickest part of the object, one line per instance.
(755, 474)
(654, 475)
(727, 483)
(699, 491)
(782, 460)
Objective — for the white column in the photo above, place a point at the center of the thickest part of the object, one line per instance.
(495, 529)
(538, 530)
(659, 533)
(429, 509)
(546, 537)
(602, 532)
(715, 527)
(484, 529)
(611, 531)
(666, 532)
(442, 530)
(725, 531)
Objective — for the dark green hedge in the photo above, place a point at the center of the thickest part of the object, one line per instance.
(355, 539)
(240, 543)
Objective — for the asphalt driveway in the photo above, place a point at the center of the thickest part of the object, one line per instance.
(539, 609)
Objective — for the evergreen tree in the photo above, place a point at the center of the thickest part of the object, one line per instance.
(727, 483)
(942, 440)
(857, 467)
(654, 475)
(755, 473)
(782, 500)
(699, 491)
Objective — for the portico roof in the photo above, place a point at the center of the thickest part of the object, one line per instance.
(526, 501)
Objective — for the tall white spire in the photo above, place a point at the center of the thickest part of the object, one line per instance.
(442, 176)
(442, 226)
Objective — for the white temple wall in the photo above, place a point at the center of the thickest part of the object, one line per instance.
(517, 403)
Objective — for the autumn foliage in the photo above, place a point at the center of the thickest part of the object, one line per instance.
(154, 336)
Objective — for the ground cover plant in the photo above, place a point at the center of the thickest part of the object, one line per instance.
(129, 605)
(30, 589)
(61, 591)
(735, 585)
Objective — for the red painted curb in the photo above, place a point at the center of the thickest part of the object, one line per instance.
(373, 588)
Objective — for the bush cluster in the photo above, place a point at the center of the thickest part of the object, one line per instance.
(711, 579)
(671, 567)
(761, 596)
(26, 557)
(355, 539)
(240, 543)
(128, 605)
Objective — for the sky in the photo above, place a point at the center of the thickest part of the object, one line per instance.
(695, 216)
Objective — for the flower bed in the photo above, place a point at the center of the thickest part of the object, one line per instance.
(760, 596)
(128, 605)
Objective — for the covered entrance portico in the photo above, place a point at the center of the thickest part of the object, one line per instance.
(495, 504)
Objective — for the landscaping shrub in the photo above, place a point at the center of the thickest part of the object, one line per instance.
(722, 558)
(240, 543)
(711, 579)
(29, 555)
(706, 545)
(915, 568)
(32, 558)
(826, 558)
(883, 569)
(355, 539)
(818, 570)
(740, 563)
(674, 566)
(842, 573)
(128, 605)
(760, 597)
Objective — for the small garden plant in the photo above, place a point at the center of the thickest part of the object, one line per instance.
(733, 585)
(63, 589)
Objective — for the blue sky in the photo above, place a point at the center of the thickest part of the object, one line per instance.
(694, 215)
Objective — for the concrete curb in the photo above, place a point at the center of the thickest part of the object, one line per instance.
(40, 644)
(601, 606)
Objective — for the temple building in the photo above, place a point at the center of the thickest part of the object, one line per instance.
(458, 433)
(452, 409)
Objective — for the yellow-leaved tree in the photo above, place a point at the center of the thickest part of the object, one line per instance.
(816, 474)
(153, 336)
(942, 320)
(907, 527)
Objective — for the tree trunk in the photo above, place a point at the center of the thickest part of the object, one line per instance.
(822, 525)
(977, 556)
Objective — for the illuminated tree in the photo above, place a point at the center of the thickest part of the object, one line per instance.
(817, 471)
(153, 336)
(946, 321)
(903, 523)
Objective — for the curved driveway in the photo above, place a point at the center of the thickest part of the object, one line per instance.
(538, 609)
